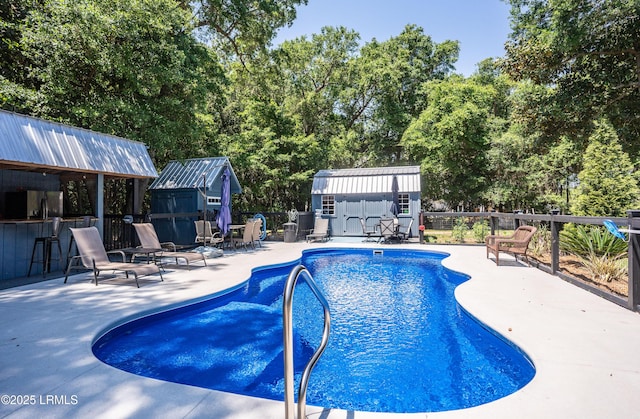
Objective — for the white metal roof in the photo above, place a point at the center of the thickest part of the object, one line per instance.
(366, 181)
(32, 143)
(189, 174)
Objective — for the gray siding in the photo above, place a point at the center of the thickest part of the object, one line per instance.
(350, 208)
(366, 193)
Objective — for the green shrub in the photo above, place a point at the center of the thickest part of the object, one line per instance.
(591, 240)
(607, 183)
(599, 251)
(541, 241)
(460, 229)
(480, 230)
(604, 268)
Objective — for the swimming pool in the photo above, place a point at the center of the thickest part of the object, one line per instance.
(399, 341)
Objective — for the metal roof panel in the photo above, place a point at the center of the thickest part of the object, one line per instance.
(366, 180)
(28, 141)
(191, 173)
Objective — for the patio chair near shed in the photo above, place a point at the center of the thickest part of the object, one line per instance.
(404, 232)
(516, 244)
(247, 236)
(388, 230)
(204, 234)
(92, 255)
(368, 231)
(320, 230)
(257, 232)
(149, 240)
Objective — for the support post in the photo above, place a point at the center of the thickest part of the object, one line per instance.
(634, 261)
(493, 221)
(99, 205)
(555, 245)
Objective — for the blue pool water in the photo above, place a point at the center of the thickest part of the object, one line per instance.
(399, 341)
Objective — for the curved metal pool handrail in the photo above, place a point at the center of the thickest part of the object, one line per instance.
(287, 323)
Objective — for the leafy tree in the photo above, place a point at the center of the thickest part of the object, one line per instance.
(275, 170)
(11, 14)
(129, 68)
(586, 54)
(314, 74)
(143, 69)
(608, 186)
(279, 121)
(242, 28)
(347, 107)
(16, 88)
(509, 183)
(552, 175)
(386, 89)
(451, 142)
(489, 73)
(509, 187)
(524, 179)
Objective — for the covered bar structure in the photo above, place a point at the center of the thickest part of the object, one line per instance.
(40, 162)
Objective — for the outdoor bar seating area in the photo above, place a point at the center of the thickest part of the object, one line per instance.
(43, 165)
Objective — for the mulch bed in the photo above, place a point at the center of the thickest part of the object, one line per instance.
(570, 265)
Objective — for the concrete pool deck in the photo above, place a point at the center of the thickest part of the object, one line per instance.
(586, 350)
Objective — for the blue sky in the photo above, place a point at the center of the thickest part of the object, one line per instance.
(481, 26)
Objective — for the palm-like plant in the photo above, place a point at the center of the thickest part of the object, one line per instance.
(585, 240)
(600, 252)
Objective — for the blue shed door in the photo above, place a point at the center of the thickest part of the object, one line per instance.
(179, 230)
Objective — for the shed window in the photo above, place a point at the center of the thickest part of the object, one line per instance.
(403, 200)
(328, 204)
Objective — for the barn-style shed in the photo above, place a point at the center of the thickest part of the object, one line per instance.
(346, 195)
(186, 191)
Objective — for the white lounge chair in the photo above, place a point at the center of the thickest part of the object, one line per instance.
(257, 232)
(149, 240)
(93, 256)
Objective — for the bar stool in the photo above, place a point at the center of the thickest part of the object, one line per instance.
(47, 244)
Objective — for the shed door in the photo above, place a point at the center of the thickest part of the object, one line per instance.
(352, 214)
(179, 230)
(374, 210)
